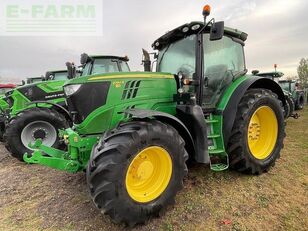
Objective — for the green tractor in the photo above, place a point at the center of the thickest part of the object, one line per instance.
(4, 88)
(289, 108)
(133, 132)
(39, 110)
(293, 87)
(31, 80)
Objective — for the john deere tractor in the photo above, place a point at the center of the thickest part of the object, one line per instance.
(133, 132)
(298, 94)
(38, 110)
(290, 101)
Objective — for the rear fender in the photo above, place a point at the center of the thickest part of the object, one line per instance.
(229, 112)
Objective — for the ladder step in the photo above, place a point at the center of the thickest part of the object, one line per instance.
(219, 167)
(213, 136)
(211, 121)
(216, 151)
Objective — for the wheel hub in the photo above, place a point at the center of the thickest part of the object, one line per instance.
(254, 131)
(148, 174)
(39, 130)
(39, 134)
(262, 132)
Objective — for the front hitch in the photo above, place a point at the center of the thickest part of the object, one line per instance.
(51, 157)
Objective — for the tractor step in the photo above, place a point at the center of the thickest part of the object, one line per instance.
(221, 162)
(219, 167)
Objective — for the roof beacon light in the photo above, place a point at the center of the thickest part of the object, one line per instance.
(206, 10)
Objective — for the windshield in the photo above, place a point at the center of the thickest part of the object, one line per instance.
(60, 76)
(124, 66)
(178, 56)
(284, 86)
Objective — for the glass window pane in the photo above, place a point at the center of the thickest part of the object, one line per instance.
(101, 66)
(60, 76)
(179, 56)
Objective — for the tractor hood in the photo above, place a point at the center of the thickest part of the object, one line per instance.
(96, 96)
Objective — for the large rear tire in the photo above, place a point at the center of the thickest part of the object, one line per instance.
(258, 132)
(136, 170)
(31, 124)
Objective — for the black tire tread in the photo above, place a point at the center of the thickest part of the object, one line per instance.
(239, 160)
(111, 151)
(18, 121)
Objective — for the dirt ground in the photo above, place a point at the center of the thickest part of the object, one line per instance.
(33, 197)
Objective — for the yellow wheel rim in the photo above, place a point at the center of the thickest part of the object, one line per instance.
(148, 174)
(262, 132)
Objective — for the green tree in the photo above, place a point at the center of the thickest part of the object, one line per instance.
(302, 72)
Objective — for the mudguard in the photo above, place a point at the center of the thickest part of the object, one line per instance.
(229, 113)
(58, 106)
(171, 120)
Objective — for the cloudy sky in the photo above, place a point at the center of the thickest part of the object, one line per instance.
(278, 32)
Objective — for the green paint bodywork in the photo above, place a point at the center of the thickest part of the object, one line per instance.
(21, 102)
(85, 135)
(3, 104)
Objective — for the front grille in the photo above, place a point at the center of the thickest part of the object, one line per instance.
(89, 97)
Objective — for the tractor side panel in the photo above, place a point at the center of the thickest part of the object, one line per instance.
(21, 98)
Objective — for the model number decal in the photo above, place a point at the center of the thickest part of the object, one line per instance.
(54, 96)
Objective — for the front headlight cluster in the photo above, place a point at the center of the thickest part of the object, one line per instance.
(71, 89)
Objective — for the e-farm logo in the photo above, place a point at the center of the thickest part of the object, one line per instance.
(51, 18)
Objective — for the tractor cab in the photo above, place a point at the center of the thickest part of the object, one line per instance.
(31, 80)
(103, 64)
(56, 75)
(224, 61)
(98, 64)
(288, 85)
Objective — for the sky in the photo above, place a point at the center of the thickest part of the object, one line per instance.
(277, 33)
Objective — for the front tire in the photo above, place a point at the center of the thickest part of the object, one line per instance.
(136, 170)
(258, 132)
(31, 124)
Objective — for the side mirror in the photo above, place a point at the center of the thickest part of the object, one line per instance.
(146, 61)
(255, 72)
(71, 70)
(217, 31)
(84, 58)
(23, 82)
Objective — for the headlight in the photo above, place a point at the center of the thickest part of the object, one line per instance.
(71, 89)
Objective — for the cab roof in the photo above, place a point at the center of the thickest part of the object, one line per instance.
(123, 58)
(177, 34)
(271, 74)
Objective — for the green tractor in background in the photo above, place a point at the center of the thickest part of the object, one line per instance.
(4, 88)
(31, 80)
(289, 108)
(133, 132)
(38, 111)
(293, 87)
